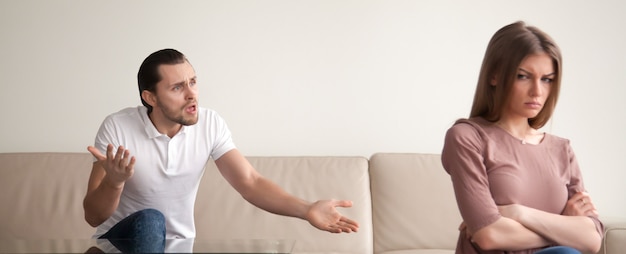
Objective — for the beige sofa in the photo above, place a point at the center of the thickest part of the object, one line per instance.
(403, 202)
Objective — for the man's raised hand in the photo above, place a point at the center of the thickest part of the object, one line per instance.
(118, 167)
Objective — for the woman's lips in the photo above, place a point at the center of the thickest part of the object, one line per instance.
(534, 105)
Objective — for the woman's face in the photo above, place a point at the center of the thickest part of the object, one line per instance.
(531, 87)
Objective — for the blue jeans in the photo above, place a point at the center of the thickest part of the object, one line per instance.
(140, 232)
(558, 250)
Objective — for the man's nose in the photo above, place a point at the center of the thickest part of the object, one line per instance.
(191, 92)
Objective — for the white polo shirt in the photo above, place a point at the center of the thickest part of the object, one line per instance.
(167, 170)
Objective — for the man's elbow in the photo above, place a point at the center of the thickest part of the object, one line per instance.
(93, 221)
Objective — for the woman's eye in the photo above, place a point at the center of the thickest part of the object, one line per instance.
(522, 76)
(547, 80)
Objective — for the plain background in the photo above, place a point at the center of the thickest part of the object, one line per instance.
(310, 77)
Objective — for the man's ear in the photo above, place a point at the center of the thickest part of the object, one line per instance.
(148, 97)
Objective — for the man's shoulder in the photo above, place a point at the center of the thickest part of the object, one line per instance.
(204, 110)
(208, 114)
(129, 111)
(127, 115)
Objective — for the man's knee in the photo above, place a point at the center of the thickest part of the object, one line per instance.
(151, 217)
(151, 214)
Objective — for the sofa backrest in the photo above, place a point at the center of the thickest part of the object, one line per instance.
(222, 213)
(405, 201)
(413, 203)
(42, 195)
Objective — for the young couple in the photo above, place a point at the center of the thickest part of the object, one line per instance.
(519, 190)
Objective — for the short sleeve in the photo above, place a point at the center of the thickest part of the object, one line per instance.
(106, 135)
(221, 138)
(576, 184)
(462, 157)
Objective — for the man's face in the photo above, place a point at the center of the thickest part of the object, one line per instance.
(177, 94)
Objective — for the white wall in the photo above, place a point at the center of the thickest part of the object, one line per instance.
(309, 77)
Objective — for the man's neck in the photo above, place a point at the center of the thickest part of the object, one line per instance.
(164, 125)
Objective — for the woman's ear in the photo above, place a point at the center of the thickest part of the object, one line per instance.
(493, 81)
(148, 97)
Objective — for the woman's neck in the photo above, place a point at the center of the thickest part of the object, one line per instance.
(520, 129)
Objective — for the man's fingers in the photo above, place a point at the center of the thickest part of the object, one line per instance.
(118, 155)
(343, 203)
(131, 165)
(342, 227)
(121, 159)
(110, 152)
(353, 225)
(96, 153)
(124, 158)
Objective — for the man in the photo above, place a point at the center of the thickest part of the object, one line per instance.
(150, 160)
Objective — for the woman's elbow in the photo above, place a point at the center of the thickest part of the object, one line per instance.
(486, 239)
(596, 247)
(593, 245)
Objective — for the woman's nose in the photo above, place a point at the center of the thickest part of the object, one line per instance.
(536, 89)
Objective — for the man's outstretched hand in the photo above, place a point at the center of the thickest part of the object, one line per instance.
(118, 167)
(324, 216)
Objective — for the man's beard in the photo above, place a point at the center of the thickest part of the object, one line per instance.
(177, 118)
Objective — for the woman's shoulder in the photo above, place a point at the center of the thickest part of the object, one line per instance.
(468, 130)
(557, 140)
(474, 124)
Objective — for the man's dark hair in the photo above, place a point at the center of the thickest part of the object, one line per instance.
(148, 75)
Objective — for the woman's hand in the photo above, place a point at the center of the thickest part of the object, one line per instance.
(580, 205)
(463, 229)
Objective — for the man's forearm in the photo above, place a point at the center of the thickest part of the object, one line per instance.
(100, 203)
(274, 199)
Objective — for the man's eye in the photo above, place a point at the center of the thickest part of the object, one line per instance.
(176, 88)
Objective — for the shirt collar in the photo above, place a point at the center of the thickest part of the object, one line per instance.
(151, 130)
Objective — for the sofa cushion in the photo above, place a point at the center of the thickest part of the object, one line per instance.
(221, 213)
(416, 251)
(413, 202)
(614, 235)
(50, 188)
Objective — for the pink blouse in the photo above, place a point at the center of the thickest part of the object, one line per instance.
(490, 167)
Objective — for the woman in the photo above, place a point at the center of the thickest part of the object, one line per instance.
(519, 190)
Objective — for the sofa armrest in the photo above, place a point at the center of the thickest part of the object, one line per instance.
(614, 241)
